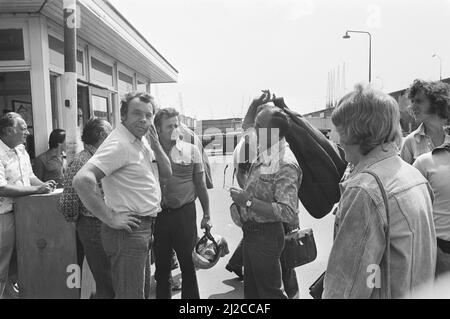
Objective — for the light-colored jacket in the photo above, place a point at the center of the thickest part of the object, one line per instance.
(356, 265)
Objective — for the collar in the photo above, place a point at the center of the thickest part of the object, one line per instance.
(443, 147)
(273, 154)
(6, 148)
(178, 145)
(376, 155)
(128, 135)
(419, 132)
(90, 149)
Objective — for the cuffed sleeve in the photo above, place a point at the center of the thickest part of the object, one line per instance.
(110, 157)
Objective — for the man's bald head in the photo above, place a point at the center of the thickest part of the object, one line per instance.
(272, 117)
(271, 125)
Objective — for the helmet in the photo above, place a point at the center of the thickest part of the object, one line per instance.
(208, 250)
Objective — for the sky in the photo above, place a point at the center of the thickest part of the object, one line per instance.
(227, 51)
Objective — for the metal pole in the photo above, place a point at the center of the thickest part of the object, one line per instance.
(440, 65)
(370, 48)
(70, 77)
(370, 57)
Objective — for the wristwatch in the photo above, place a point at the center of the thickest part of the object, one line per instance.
(248, 203)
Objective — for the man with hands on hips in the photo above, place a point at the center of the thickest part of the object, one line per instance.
(128, 163)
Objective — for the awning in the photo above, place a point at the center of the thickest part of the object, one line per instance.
(105, 28)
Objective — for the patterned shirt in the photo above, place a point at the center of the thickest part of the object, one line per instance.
(275, 178)
(69, 203)
(418, 143)
(15, 169)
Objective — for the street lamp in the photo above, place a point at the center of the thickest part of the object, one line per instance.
(347, 36)
(440, 65)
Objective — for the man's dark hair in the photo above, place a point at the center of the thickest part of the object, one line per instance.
(57, 136)
(142, 96)
(437, 92)
(94, 130)
(167, 113)
(8, 120)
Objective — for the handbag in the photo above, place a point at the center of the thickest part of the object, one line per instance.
(316, 289)
(299, 248)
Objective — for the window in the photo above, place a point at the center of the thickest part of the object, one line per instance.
(57, 46)
(100, 106)
(141, 86)
(102, 72)
(11, 45)
(125, 83)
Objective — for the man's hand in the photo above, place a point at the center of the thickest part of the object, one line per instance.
(239, 196)
(152, 135)
(206, 223)
(265, 97)
(46, 187)
(124, 220)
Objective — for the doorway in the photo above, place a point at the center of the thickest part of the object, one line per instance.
(15, 96)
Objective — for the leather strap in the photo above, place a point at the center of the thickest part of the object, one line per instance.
(387, 255)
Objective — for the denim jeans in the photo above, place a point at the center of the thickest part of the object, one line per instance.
(176, 229)
(263, 244)
(7, 247)
(89, 233)
(128, 254)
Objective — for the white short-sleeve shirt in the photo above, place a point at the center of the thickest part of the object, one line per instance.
(15, 169)
(435, 167)
(131, 181)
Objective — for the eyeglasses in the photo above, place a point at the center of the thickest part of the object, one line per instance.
(225, 184)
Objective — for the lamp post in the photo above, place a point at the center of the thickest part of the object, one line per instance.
(347, 36)
(440, 65)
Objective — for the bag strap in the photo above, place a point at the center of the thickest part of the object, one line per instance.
(387, 255)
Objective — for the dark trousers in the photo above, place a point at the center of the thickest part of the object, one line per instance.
(89, 232)
(176, 229)
(237, 259)
(289, 277)
(263, 244)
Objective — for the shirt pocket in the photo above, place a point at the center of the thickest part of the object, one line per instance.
(265, 187)
(267, 178)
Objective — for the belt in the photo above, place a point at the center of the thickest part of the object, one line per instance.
(444, 245)
(166, 210)
(148, 217)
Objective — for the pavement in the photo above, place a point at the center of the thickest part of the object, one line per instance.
(217, 282)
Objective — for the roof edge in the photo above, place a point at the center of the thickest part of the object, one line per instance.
(110, 5)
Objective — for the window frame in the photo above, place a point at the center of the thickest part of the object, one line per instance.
(24, 26)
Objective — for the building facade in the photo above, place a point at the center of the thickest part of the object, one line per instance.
(322, 118)
(112, 58)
